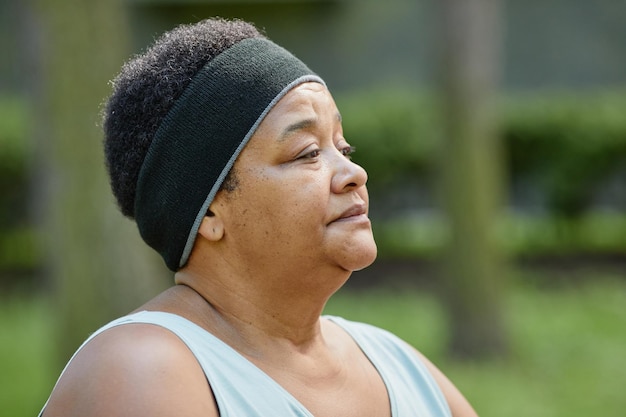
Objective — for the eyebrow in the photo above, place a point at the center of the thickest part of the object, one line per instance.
(301, 125)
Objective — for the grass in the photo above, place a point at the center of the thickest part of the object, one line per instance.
(568, 348)
(26, 355)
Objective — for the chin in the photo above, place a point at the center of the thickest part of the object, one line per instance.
(363, 256)
(366, 264)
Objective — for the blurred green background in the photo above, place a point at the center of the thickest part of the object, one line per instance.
(69, 262)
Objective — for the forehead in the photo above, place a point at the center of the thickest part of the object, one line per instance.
(304, 106)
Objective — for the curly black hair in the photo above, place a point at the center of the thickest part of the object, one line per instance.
(146, 89)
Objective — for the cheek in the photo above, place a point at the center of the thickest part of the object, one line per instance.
(278, 200)
(291, 203)
(299, 204)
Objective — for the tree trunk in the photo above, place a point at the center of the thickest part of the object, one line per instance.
(99, 267)
(471, 174)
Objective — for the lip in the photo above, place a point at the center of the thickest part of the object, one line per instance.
(355, 212)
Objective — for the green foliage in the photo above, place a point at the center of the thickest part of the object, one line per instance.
(424, 234)
(17, 242)
(567, 144)
(19, 249)
(14, 152)
(419, 235)
(593, 233)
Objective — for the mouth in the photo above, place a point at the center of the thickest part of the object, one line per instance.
(357, 211)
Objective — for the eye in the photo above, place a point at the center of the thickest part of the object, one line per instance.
(348, 151)
(310, 155)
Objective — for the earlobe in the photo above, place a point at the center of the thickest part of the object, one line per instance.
(211, 228)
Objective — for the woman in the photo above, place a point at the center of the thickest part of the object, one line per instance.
(229, 153)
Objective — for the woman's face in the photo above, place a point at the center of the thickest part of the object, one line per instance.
(300, 202)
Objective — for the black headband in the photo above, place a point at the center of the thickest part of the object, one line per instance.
(200, 138)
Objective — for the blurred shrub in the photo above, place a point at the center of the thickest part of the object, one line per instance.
(599, 235)
(564, 145)
(17, 240)
(567, 145)
(13, 161)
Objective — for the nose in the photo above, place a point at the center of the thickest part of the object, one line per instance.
(347, 175)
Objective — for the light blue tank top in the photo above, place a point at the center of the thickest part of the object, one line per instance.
(241, 389)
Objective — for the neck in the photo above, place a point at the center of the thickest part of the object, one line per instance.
(263, 313)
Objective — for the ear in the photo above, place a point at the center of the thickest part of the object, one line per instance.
(211, 228)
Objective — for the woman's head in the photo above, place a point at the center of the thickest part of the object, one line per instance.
(179, 116)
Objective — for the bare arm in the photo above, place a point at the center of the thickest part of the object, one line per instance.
(133, 370)
(459, 406)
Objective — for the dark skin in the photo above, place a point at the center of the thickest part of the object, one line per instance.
(264, 300)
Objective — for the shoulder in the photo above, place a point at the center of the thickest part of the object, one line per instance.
(129, 370)
(459, 406)
(386, 346)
